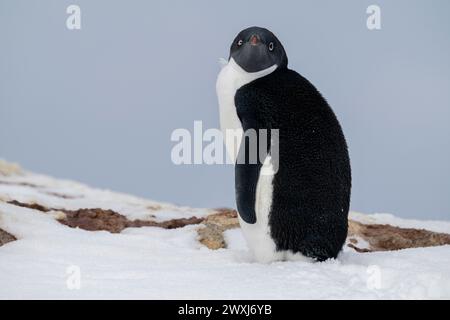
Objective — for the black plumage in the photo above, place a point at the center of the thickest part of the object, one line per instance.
(311, 189)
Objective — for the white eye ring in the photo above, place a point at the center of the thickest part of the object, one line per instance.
(271, 46)
(240, 42)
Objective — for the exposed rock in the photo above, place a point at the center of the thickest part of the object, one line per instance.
(34, 206)
(5, 237)
(61, 195)
(95, 219)
(100, 219)
(35, 186)
(361, 250)
(22, 184)
(211, 235)
(382, 237)
(154, 207)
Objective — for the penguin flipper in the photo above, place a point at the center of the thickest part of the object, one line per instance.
(247, 171)
(246, 180)
(255, 146)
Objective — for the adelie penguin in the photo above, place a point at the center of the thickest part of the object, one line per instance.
(300, 208)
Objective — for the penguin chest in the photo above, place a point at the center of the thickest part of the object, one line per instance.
(227, 85)
(230, 79)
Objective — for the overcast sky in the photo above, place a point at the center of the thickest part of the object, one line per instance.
(98, 105)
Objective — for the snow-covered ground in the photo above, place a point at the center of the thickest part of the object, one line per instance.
(49, 258)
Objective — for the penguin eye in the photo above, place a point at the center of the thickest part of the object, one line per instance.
(271, 46)
(240, 42)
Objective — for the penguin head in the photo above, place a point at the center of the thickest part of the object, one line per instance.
(255, 49)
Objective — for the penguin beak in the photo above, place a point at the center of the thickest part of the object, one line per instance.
(254, 40)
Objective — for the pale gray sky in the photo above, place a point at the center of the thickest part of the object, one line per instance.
(98, 105)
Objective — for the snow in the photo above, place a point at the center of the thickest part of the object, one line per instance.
(156, 263)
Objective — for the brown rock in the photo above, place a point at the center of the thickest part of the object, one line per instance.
(108, 220)
(382, 237)
(34, 206)
(211, 235)
(99, 219)
(6, 237)
(94, 220)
